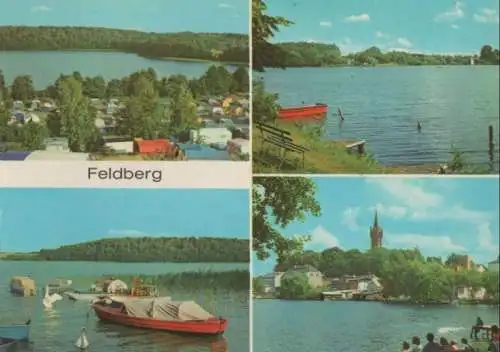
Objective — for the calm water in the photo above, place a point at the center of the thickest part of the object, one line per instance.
(286, 326)
(46, 66)
(383, 104)
(58, 329)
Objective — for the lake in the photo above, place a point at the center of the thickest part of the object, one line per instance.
(46, 66)
(58, 329)
(383, 104)
(297, 326)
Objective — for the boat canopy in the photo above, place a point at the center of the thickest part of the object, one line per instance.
(23, 282)
(165, 309)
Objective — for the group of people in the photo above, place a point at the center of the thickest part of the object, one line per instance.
(445, 345)
(431, 346)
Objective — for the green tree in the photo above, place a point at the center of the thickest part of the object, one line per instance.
(217, 80)
(33, 135)
(294, 285)
(257, 285)
(22, 88)
(264, 28)
(264, 105)
(276, 203)
(77, 122)
(114, 89)
(143, 115)
(182, 108)
(241, 80)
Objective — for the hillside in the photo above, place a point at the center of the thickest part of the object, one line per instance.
(203, 46)
(148, 249)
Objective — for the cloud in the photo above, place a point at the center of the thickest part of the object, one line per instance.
(349, 218)
(379, 34)
(404, 42)
(126, 232)
(321, 237)
(486, 16)
(410, 199)
(455, 26)
(225, 6)
(325, 23)
(453, 14)
(430, 244)
(485, 238)
(40, 8)
(364, 17)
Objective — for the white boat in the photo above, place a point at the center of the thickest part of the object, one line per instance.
(16, 332)
(77, 296)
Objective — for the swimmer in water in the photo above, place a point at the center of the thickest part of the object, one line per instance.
(419, 126)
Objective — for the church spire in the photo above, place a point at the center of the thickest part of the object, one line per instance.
(375, 219)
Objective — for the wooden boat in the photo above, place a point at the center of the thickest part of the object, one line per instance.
(160, 314)
(6, 344)
(137, 290)
(18, 332)
(316, 111)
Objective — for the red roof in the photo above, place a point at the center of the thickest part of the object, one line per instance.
(143, 146)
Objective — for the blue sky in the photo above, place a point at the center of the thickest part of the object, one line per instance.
(146, 15)
(434, 26)
(437, 215)
(31, 219)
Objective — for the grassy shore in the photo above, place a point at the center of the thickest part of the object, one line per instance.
(323, 157)
(194, 280)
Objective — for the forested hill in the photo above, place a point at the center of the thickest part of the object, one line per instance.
(148, 249)
(206, 46)
(303, 54)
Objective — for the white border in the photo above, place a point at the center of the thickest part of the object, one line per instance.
(176, 174)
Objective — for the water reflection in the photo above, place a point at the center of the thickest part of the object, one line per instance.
(130, 338)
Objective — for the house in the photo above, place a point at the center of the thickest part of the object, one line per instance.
(363, 284)
(217, 110)
(493, 266)
(480, 268)
(267, 281)
(464, 292)
(315, 277)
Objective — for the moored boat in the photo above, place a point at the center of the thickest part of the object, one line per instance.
(22, 286)
(79, 296)
(18, 332)
(314, 111)
(160, 314)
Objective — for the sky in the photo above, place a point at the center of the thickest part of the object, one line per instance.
(437, 215)
(31, 219)
(145, 15)
(429, 26)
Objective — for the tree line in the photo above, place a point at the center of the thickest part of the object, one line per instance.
(403, 272)
(228, 47)
(154, 107)
(148, 249)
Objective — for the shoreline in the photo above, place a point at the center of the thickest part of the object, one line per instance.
(381, 65)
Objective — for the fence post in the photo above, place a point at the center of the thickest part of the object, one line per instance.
(491, 146)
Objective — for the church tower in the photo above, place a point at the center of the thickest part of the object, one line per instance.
(376, 233)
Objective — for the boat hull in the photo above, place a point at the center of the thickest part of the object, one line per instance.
(317, 111)
(15, 332)
(75, 296)
(6, 344)
(214, 326)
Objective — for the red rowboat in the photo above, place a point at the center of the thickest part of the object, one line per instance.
(160, 314)
(303, 112)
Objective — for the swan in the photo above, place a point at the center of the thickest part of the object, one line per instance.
(82, 343)
(49, 300)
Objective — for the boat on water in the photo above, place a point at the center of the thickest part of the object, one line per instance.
(17, 332)
(159, 313)
(315, 111)
(113, 287)
(22, 286)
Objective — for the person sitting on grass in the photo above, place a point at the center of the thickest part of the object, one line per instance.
(431, 346)
(466, 346)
